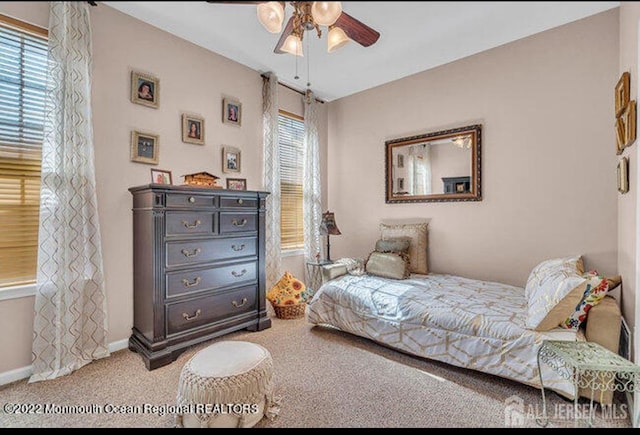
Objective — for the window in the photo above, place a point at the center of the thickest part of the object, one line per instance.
(23, 71)
(291, 134)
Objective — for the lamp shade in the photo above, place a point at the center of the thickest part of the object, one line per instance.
(293, 45)
(328, 225)
(271, 16)
(326, 13)
(336, 39)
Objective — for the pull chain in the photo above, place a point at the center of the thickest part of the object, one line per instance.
(308, 63)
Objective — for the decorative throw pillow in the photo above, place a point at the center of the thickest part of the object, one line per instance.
(388, 265)
(596, 290)
(396, 244)
(287, 291)
(417, 233)
(553, 290)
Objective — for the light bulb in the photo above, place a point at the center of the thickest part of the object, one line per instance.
(326, 13)
(271, 16)
(293, 45)
(336, 39)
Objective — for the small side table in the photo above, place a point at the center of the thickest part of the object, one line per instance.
(588, 365)
(314, 276)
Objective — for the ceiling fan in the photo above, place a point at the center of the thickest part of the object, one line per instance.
(309, 16)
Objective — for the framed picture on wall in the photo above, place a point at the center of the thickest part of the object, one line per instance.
(231, 112)
(230, 159)
(145, 89)
(622, 93)
(192, 129)
(623, 175)
(629, 119)
(144, 148)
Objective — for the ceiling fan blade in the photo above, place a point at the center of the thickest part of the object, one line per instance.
(286, 32)
(356, 30)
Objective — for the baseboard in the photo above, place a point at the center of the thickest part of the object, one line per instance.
(25, 372)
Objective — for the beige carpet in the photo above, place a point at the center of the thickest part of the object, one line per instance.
(326, 379)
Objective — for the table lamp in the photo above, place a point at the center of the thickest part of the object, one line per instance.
(329, 228)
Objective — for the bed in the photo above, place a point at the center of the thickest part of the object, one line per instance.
(468, 323)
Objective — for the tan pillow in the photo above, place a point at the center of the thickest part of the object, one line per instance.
(417, 233)
(388, 265)
(399, 244)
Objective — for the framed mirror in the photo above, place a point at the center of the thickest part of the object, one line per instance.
(439, 166)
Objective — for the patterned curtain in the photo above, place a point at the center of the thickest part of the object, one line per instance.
(70, 326)
(312, 189)
(271, 177)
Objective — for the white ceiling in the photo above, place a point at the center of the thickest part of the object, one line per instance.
(415, 36)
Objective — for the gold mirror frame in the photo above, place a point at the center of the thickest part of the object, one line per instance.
(474, 193)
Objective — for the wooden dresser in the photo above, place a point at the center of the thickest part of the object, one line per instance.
(198, 267)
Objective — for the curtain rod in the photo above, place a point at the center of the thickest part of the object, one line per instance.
(291, 88)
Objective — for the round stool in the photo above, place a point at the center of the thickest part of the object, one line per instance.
(227, 384)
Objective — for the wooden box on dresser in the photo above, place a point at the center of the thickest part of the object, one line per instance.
(198, 267)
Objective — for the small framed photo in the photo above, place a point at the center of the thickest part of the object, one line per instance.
(623, 175)
(144, 148)
(192, 129)
(231, 111)
(160, 176)
(629, 119)
(400, 160)
(622, 93)
(230, 159)
(237, 183)
(400, 184)
(145, 89)
(620, 135)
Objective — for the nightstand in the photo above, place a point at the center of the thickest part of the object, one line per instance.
(588, 365)
(314, 276)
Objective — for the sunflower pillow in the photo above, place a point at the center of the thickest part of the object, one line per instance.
(288, 291)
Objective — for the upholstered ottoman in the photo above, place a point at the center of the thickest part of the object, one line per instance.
(227, 384)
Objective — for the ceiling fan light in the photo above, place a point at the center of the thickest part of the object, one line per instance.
(293, 45)
(271, 16)
(336, 39)
(326, 13)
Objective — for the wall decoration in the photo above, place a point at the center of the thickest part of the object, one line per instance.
(160, 176)
(400, 160)
(192, 129)
(629, 120)
(144, 148)
(620, 135)
(237, 183)
(231, 111)
(145, 89)
(622, 93)
(623, 175)
(230, 159)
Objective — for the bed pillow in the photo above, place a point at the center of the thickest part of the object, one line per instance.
(388, 265)
(553, 290)
(417, 233)
(596, 290)
(396, 244)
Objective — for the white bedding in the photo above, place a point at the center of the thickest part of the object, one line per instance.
(463, 322)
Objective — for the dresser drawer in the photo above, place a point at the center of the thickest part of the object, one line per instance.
(238, 202)
(202, 251)
(201, 311)
(182, 282)
(189, 200)
(179, 223)
(238, 222)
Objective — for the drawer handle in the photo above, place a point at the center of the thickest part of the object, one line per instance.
(240, 201)
(190, 254)
(189, 226)
(191, 284)
(241, 224)
(192, 199)
(238, 305)
(238, 275)
(237, 248)
(195, 316)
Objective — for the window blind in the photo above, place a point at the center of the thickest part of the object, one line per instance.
(291, 141)
(23, 71)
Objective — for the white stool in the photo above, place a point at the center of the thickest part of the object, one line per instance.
(227, 384)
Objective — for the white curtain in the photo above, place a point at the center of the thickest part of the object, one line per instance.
(311, 187)
(271, 178)
(420, 170)
(70, 326)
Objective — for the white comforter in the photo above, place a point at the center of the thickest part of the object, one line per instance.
(464, 322)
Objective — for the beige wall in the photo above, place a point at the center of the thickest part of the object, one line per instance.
(548, 160)
(628, 203)
(192, 80)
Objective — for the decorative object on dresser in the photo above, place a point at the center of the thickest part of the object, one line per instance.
(237, 183)
(145, 89)
(159, 176)
(328, 227)
(230, 159)
(199, 267)
(231, 111)
(145, 148)
(202, 179)
(192, 129)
